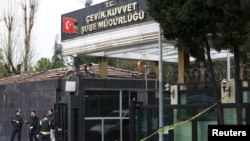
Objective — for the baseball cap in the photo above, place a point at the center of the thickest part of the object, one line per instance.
(18, 110)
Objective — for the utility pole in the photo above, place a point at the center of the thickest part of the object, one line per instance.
(160, 87)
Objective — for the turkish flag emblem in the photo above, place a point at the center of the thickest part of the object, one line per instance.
(69, 25)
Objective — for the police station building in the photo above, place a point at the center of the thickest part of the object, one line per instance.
(99, 106)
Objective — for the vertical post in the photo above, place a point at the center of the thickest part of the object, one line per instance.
(132, 118)
(183, 63)
(73, 107)
(103, 67)
(70, 119)
(228, 66)
(146, 76)
(132, 121)
(160, 87)
(77, 67)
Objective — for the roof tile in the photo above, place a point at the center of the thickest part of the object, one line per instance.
(65, 72)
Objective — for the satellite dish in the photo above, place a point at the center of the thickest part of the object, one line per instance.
(142, 66)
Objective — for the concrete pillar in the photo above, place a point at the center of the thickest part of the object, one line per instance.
(183, 63)
(156, 70)
(103, 67)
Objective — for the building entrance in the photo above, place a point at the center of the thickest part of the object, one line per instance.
(107, 115)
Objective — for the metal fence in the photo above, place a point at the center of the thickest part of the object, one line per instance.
(197, 74)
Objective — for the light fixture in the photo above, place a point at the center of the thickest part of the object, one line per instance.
(224, 86)
(168, 88)
(137, 104)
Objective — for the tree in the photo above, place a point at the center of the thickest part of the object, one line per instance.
(29, 8)
(16, 34)
(200, 25)
(88, 3)
(43, 64)
(2, 68)
(57, 58)
(234, 30)
(10, 42)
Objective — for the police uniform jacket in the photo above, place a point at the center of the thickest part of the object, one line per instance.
(33, 121)
(18, 118)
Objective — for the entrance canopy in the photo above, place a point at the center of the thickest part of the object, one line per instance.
(138, 42)
(118, 29)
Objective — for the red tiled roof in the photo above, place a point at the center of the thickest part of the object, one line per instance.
(64, 73)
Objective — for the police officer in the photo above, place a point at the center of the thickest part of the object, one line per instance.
(17, 123)
(53, 124)
(43, 131)
(33, 124)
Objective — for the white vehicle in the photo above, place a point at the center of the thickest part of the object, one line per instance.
(112, 122)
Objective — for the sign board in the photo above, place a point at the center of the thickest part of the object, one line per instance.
(70, 86)
(104, 16)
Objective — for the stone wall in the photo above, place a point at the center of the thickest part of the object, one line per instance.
(38, 96)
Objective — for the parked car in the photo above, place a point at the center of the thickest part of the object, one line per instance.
(111, 128)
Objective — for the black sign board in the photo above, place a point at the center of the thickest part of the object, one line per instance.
(104, 16)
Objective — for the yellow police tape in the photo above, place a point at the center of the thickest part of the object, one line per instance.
(171, 127)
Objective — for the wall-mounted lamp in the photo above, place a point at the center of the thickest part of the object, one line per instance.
(224, 86)
(137, 104)
(168, 88)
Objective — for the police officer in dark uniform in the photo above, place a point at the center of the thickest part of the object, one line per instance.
(33, 125)
(53, 124)
(17, 123)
